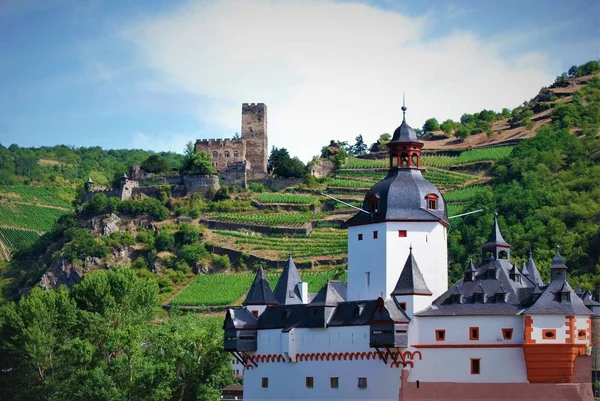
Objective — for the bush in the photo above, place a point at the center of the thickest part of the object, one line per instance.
(81, 244)
(193, 253)
(165, 241)
(257, 187)
(155, 164)
(187, 234)
(146, 237)
(221, 262)
(148, 206)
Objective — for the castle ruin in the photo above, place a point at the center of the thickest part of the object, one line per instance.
(249, 152)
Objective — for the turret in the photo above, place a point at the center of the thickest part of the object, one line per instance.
(290, 290)
(470, 272)
(496, 246)
(411, 291)
(558, 270)
(260, 295)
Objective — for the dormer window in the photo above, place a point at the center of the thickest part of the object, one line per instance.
(432, 201)
(501, 298)
(455, 298)
(373, 200)
(565, 297)
(479, 297)
(491, 274)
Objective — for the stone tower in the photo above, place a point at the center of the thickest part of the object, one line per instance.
(254, 132)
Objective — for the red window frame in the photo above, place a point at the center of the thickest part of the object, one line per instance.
(402, 233)
(474, 333)
(507, 334)
(440, 335)
(475, 366)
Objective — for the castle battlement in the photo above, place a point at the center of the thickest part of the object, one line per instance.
(218, 141)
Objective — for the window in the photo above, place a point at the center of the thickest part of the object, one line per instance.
(375, 234)
(473, 333)
(440, 335)
(334, 382)
(402, 233)
(581, 335)
(455, 298)
(403, 306)
(479, 297)
(362, 382)
(227, 154)
(507, 334)
(373, 202)
(236, 154)
(309, 382)
(254, 312)
(215, 154)
(475, 366)
(265, 382)
(432, 201)
(565, 296)
(549, 334)
(360, 237)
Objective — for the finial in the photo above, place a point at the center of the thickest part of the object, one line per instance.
(404, 108)
(289, 255)
(410, 248)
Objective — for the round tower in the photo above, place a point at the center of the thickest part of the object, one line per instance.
(403, 209)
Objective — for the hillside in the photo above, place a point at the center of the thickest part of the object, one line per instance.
(543, 188)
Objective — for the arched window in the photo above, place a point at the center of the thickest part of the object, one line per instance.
(432, 201)
(502, 255)
(373, 200)
(404, 159)
(215, 154)
(415, 160)
(227, 154)
(236, 154)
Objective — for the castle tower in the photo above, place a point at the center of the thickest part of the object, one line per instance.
(401, 210)
(254, 132)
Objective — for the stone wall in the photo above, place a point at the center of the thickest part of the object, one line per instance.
(322, 168)
(277, 184)
(254, 132)
(200, 183)
(236, 173)
(223, 151)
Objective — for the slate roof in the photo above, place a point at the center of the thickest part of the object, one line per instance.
(260, 292)
(532, 272)
(411, 281)
(550, 301)
(239, 318)
(331, 294)
(401, 196)
(404, 133)
(286, 291)
(495, 239)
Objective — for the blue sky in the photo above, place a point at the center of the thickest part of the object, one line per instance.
(155, 74)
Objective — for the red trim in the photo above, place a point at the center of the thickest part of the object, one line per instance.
(551, 332)
(468, 346)
(478, 366)
(507, 333)
(474, 333)
(440, 335)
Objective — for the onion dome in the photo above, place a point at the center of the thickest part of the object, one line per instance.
(404, 194)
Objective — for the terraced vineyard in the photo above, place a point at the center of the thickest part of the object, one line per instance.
(36, 218)
(298, 199)
(14, 239)
(226, 289)
(294, 219)
(44, 195)
(321, 242)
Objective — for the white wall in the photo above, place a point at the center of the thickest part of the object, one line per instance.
(332, 339)
(556, 322)
(457, 329)
(385, 257)
(581, 323)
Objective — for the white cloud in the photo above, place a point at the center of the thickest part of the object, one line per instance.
(165, 142)
(328, 70)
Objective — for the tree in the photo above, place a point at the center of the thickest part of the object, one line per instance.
(572, 71)
(359, 147)
(282, 165)
(466, 119)
(462, 133)
(431, 125)
(196, 162)
(448, 126)
(155, 164)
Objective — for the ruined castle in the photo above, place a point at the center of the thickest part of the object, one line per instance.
(246, 155)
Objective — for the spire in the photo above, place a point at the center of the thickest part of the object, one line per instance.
(286, 291)
(260, 292)
(558, 270)
(578, 290)
(89, 180)
(532, 272)
(411, 281)
(496, 242)
(470, 272)
(404, 108)
(524, 270)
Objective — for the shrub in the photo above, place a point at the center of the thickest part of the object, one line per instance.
(165, 241)
(257, 187)
(187, 234)
(193, 253)
(222, 262)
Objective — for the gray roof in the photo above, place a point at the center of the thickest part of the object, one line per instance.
(239, 318)
(411, 281)
(558, 262)
(260, 292)
(89, 180)
(550, 301)
(495, 239)
(401, 196)
(404, 133)
(532, 272)
(331, 294)
(286, 291)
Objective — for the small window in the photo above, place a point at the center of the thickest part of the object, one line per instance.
(549, 334)
(473, 333)
(265, 382)
(334, 382)
(402, 233)
(360, 237)
(375, 234)
(432, 201)
(582, 335)
(215, 154)
(475, 366)
(254, 312)
(479, 297)
(362, 382)
(440, 335)
(309, 382)
(227, 154)
(455, 299)
(565, 296)
(236, 154)
(403, 306)
(507, 334)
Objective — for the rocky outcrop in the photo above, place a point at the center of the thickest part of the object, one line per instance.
(105, 225)
(61, 272)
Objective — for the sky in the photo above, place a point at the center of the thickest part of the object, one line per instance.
(156, 74)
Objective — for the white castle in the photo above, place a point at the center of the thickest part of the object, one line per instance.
(396, 332)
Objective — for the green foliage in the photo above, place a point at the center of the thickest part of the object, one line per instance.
(464, 194)
(287, 198)
(221, 261)
(257, 187)
(269, 219)
(359, 147)
(192, 253)
(148, 206)
(44, 195)
(119, 240)
(196, 162)
(282, 165)
(431, 124)
(187, 234)
(449, 126)
(155, 164)
(28, 216)
(165, 241)
(16, 239)
(82, 243)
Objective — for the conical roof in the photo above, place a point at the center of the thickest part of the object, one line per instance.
(404, 133)
(524, 270)
(89, 180)
(532, 271)
(495, 239)
(558, 262)
(411, 281)
(471, 266)
(260, 292)
(330, 295)
(286, 291)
